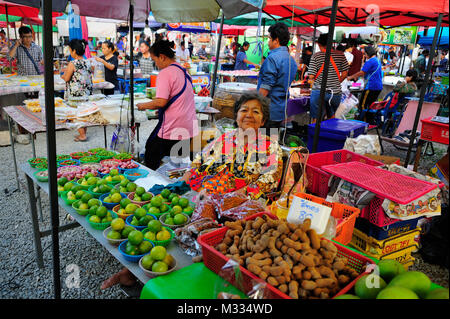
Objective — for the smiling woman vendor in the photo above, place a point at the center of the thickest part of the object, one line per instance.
(177, 121)
(243, 160)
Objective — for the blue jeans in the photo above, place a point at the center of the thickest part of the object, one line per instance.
(329, 107)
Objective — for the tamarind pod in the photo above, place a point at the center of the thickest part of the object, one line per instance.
(308, 285)
(314, 238)
(306, 224)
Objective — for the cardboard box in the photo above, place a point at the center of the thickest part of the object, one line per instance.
(384, 159)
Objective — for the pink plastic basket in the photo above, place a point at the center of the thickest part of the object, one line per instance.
(318, 179)
(396, 187)
(375, 214)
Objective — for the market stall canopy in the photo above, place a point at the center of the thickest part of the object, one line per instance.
(97, 27)
(17, 10)
(233, 29)
(251, 19)
(362, 12)
(428, 39)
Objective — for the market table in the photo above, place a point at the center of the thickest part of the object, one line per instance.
(152, 178)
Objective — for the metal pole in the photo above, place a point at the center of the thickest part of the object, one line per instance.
(51, 140)
(423, 89)
(325, 74)
(314, 35)
(402, 62)
(131, 65)
(13, 150)
(7, 30)
(216, 64)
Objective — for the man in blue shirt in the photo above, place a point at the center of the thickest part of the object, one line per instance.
(241, 58)
(277, 73)
(373, 77)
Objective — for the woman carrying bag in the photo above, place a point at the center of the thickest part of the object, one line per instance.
(177, 121)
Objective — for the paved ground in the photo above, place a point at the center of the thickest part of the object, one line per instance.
(19, 275)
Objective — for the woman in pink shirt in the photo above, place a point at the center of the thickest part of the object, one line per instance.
(177, 121)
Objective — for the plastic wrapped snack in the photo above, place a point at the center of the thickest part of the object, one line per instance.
(187, 236)
(242, 211)
(228, 201)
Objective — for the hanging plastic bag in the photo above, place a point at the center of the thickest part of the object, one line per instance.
(347, 104)
(242, 211)
(363, 144)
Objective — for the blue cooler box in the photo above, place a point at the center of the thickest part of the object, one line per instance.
(334, 132)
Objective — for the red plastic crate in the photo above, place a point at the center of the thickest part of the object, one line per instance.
(215, 260)
(318, 179)
(434, 131)
(375, 214)
(396, 187)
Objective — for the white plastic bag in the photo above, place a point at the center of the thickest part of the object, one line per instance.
(363, 144)
(350, 101)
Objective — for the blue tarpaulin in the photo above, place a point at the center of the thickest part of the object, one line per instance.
(426, 41)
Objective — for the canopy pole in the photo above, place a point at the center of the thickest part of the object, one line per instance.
(131, 66)
(423, 89)
(402, 62)
(325, 74)
(51, 141)
(314, 35)
(216, 63)
(7, 30)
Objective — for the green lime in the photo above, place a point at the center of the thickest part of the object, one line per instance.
(156, 201)
(165, 193)
(114, 234)
(184, 202)
(147, 262)
(135, 237)
(140, 190)
(126, 230)
(154, 226)
(101, 211)
(124, 202)
(86, 197)
(140, 212)
(145, 247)
(146, 197)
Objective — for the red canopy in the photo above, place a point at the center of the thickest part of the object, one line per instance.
(233, 29)
(356, 12)
(17, 10)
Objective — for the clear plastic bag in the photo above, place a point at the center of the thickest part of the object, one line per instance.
(227, 201)
(225, 124)
(242, 211)
(204, 208)
(231, 272)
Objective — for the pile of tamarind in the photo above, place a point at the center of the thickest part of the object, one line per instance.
(292, 258)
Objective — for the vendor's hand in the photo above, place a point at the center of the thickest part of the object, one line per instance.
(18, 42)
(98, 59)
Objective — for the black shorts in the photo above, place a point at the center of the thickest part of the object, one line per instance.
(157, 148)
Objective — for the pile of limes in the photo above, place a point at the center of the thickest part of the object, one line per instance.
(140, 195)
(136, 244)
(119, 230)
(140, 217)
(158, 260)
(101, 186)
(99, 214)
(113, 197)
(88, 180)
(155, 231)
(114, 176)
(125, 186)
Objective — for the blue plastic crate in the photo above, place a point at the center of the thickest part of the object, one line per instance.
(334, 132)
(384, 232)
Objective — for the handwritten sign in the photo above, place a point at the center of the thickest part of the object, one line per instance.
(302, 209)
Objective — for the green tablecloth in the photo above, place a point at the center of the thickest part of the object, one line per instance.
(191, 282)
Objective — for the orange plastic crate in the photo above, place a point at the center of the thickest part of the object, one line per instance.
(348, 214)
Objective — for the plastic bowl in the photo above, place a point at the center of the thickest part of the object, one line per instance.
(90, 159)
(123, 170)
(66, 200)
(147, 208)
(77, 157)
(162, 219)
(123, 159)
(100, 226)
(114, 242)
(63, 157)
(96, 195)
(110, 160)
(130, 258)
(123, 216)
(83, 187)
(77, 162)
(130, 218)
(30, 161)
(114, 183)
(164, 243)
(110, 206)
(153, 274)
(104, 157)
(129, 174)
(39, 177)
(82, 212)
(131, 196)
